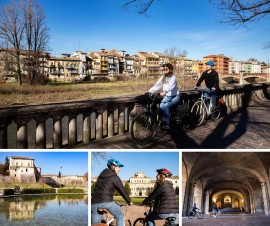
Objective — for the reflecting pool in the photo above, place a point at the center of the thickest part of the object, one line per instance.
(47, 210)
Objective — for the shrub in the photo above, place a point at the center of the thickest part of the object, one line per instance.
(70, 190)
(38, 190)
(8, 192)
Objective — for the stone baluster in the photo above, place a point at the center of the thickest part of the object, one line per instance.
(41, 132)
(3, 134)
(57, 131)
(86, 128)
(121, 119)
(22, 138)
(99, 124)
(72, 130)
(111, 122)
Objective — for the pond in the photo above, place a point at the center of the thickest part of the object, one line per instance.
(49, 210)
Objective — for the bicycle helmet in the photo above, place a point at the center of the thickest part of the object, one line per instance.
(114, 162)
(164, 171)
(210, 62)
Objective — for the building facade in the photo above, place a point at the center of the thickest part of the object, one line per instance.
(22, 169)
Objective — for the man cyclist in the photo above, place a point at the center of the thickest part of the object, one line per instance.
(102, 198)
(211, 79)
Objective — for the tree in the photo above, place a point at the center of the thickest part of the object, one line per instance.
(175, 52)
(11, 33)
(5, 169)
(22, 27)
(86, 175)
(127, 187)
(36, 34)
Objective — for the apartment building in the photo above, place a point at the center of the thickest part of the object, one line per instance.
(197, 68)
(150, 64)
(64, 68)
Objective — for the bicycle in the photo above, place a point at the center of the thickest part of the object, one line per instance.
(169, 221)
(218, 215)
(198, 214)
(201, 110)
(106, 221)
(145, 125)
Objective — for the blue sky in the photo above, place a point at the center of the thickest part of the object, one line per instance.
(73, 163)
(191, 25)
(133, 162)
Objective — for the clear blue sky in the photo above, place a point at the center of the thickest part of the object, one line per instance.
(133, 162)
(73, 163)
(191, 25)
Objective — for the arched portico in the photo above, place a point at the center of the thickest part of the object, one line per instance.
(228, 180)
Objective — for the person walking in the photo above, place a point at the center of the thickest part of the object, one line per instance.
(102, 198)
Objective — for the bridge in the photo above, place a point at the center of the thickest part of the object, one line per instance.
(106, 123)
(245, 77)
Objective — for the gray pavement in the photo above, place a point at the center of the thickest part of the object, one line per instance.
(229, 220)
(245, 128)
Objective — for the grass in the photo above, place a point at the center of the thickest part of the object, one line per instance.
(12, 95)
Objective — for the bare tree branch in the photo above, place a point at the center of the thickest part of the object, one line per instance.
(141, 5)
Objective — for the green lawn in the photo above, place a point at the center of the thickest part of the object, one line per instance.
(135, 200)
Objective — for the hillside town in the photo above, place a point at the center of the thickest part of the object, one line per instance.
(81, 65)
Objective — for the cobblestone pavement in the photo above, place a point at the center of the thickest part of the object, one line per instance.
(245, 128)
(229, 220)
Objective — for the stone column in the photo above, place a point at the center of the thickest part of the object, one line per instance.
(265, 199)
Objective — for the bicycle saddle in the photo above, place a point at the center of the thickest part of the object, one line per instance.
(102, 211)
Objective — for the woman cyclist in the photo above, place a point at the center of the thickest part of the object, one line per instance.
(165, 199)
(170, 94)
(102, 198)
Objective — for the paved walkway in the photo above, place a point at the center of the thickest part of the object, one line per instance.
(245, 128)
(229, 220)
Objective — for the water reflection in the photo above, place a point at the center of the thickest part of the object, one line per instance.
(49, 209)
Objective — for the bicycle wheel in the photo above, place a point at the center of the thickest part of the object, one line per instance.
(215, 114)
(140, 221)
(199, 215)
(143, 128)
(190, 215)
(127, 222)
(197, 113)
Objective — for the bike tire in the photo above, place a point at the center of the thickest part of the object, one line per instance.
(127, 222)
(199, 215)
(190, 215)
(215, 114)
(197, 113)
(140, 221)
(143, 128)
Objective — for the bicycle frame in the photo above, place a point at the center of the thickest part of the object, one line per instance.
(204, 98)
(109, 221)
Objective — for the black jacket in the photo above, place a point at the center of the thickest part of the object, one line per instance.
(107, 183)
(165, 198)
(211, 79)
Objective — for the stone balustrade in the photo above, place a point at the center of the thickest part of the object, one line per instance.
(64, 125)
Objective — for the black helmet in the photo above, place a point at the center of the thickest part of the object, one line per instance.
(164, 171)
